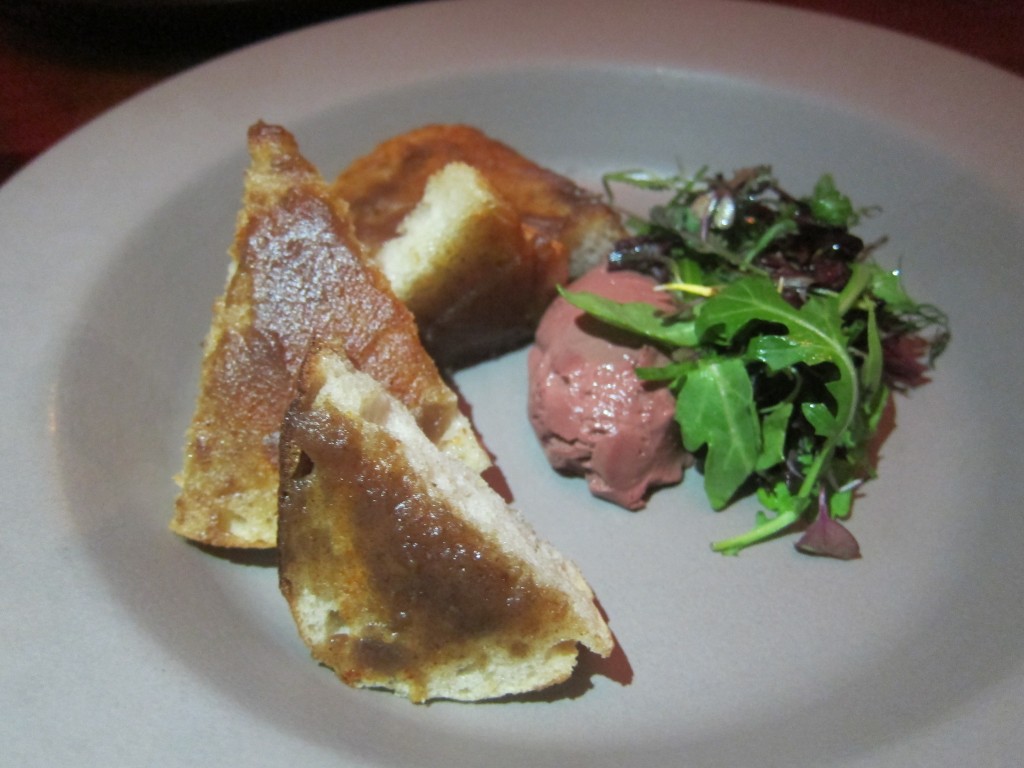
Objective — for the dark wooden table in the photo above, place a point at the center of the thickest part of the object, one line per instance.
(63, 62)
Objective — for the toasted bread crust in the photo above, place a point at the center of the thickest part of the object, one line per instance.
(383, 186)
(402, 569)
(296, 273)
(563, 230)
(463, 266)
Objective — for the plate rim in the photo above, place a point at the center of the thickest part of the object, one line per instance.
(974, 86)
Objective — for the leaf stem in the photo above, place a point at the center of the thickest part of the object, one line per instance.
(706, 291)
(761, 532)
(860, 278)
(814, 471)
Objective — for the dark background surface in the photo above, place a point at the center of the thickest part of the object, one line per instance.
(64, 62)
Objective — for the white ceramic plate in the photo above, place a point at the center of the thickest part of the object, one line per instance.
(122, 645)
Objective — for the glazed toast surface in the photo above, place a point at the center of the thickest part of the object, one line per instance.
(296, 273)
(404, 570)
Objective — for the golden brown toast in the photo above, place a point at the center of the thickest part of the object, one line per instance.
(562, 231)
(296, 272)
(403, 569)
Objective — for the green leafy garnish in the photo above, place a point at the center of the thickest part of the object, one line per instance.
(716, 409)
(831, 206)
(786, 344)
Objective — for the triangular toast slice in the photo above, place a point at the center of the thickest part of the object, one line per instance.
(296, 270)
(404, 570)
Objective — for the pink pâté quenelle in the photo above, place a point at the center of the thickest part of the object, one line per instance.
(593, 416)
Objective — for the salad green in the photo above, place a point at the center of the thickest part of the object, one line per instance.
(787, 342)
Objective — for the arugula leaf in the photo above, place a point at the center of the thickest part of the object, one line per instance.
(814, 336)
(772, 233)
(871, 368)
(638, 317)
(715, 408)
(888, 287)
(831, 206)
(774, 431)
(820, 417)
(641, 179)
(814, 329)
(777, 351)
